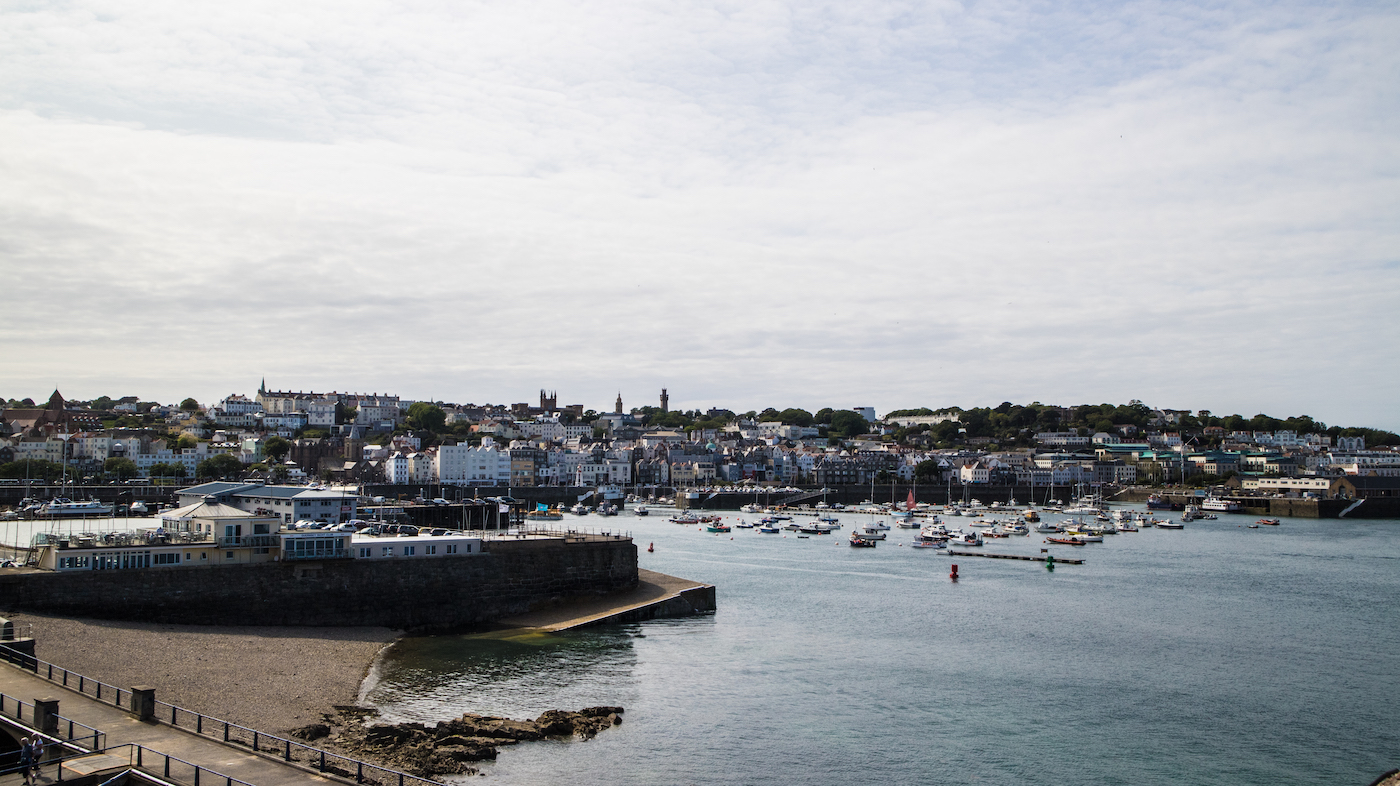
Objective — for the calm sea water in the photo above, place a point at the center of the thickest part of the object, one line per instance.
(1213, 655)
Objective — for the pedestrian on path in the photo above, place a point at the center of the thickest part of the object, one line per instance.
(26, 758)
(37, 755)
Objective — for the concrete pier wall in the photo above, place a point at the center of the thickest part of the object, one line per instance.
(421, 595)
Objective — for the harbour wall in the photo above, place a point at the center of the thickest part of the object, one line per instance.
(422, 595)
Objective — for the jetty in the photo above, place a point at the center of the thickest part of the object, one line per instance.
(656, 596)
(1025, 557)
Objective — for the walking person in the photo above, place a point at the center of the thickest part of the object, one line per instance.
(26, 759)
(36, 754)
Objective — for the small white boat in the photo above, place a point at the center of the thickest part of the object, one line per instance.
(871, 533)
(879, 525)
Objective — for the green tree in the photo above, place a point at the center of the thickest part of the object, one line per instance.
(123, 468)
(429, 417)
(277, 448)
(796, 417)
(32, 469)
(168, 470)
(221, 466)
(846, 423)
(189, 405)
(927, 470)
(187, 441)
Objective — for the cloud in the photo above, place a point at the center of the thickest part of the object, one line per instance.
(751, 204)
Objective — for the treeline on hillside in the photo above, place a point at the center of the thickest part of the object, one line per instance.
(1014, 424)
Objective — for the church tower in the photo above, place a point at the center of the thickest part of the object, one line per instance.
(617, 408)
(665, 401)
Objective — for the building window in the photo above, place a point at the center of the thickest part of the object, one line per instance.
(167, 559)
(365, 551)
(451, 548)
(430, 550)
(228, 555)
(388, 551)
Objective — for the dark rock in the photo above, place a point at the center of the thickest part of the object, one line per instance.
(313, 731)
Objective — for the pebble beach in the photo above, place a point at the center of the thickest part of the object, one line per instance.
(273, 679)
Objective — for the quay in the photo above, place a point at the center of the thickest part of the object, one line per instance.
(1026, 557)
(656, 596)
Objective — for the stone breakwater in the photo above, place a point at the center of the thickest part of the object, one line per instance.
(427, 595)
(448, 747)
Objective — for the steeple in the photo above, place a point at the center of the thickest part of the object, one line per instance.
(617, 409)
(263, 387)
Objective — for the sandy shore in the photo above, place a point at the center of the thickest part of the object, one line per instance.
(270, 678)
(273, 679)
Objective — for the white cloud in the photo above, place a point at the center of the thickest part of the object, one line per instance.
(751, 204)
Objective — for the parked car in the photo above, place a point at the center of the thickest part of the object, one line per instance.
(407, 531)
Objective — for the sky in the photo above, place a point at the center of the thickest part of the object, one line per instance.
(751, 204)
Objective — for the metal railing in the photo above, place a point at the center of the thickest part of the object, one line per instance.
(215, 728)
(68, 730)
(285, 749)
(167, 767)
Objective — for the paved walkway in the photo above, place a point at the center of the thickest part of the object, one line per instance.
(121, 728)
(652, 587)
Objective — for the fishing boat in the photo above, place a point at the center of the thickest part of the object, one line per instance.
(743, 524)
(930, 544)
(860, 541)
(966, 539)
(641, 510)
(1158, 502)
(1031, 515)
(579, 509)
(543, 512)
(717, 526)
(871, 533)
(1066, 541)
(686, 518)
(769, 529)
(1270, 522)
(1167, 524)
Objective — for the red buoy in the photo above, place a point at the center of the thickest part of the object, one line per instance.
(651, 547)
(954, 574)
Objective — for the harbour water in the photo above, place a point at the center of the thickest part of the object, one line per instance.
(1216, 654)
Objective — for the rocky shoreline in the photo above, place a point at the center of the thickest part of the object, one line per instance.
(447, 747)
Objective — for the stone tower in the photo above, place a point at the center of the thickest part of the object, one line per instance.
(549, 400)
(665, 401)
(617, 408)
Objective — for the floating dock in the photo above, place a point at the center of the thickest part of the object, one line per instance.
(1026, 557)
